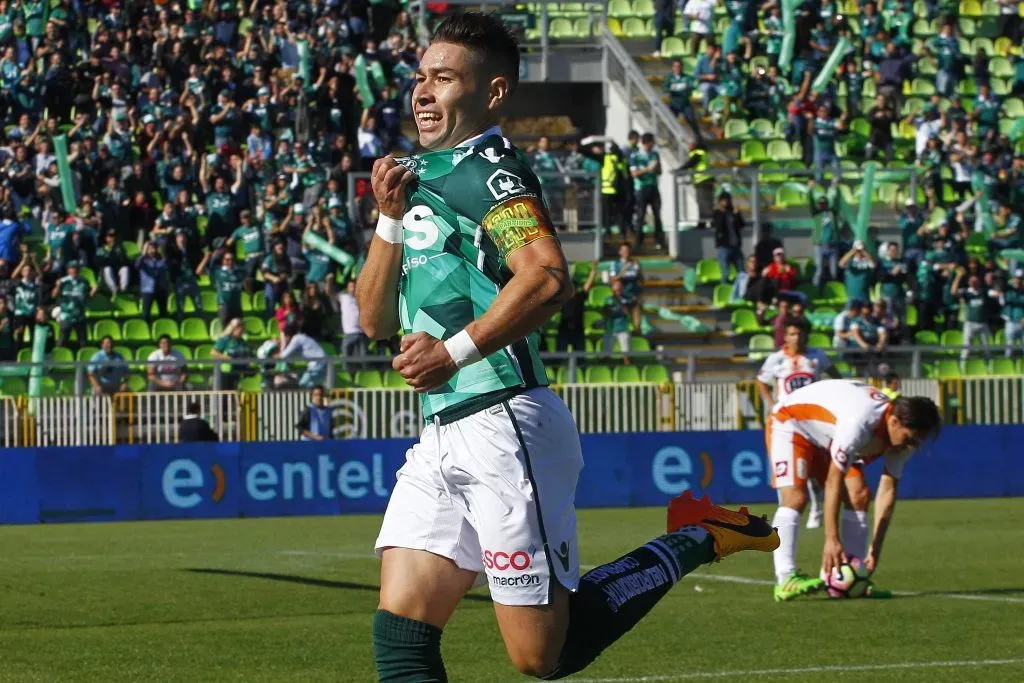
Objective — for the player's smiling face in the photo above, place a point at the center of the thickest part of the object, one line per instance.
(452, 100)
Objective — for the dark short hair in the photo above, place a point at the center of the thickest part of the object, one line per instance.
(647, 139)
(918, 413)
(633, 134)
(164, 336)
(105, 338)
(486, 33)
(192, 407)
(891, 376)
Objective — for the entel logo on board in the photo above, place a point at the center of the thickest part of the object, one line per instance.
(184, 481)
(519, 560)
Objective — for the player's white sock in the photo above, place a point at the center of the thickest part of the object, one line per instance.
(787, 521)
(854, 528)
(815, 496)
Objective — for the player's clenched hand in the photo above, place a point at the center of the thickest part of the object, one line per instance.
(870, 563)
(388, 180)
(833, 555)
(424, 362)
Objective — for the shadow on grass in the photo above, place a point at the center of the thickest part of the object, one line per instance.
(306, 581)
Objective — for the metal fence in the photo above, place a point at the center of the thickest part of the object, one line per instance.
(146, 418)
(153, 417)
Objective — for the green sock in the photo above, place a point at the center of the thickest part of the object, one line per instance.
(406, 650)
(612, 598)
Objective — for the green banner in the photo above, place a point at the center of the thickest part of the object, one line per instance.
(303, 49)
(860, 229)
(380, 81)
(340, 256)
(838, 53)
(67, 180)
(788, 34)
(39, 337)
(363, 82)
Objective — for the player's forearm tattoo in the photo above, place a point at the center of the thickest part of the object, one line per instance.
(561, 276)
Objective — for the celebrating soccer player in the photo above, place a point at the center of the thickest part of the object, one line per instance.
(466, 264)
(829, 430)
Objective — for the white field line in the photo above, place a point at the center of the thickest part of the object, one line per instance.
(844, 668)
(723, 578)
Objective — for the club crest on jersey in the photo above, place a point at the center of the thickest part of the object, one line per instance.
(416, 164)
(460, 154)
(504, 184)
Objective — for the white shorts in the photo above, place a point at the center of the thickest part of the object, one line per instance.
(494, 492)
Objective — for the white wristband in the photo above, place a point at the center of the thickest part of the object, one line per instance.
(462, 349)
(389, 230)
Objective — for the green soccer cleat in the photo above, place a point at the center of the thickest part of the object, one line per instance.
(796, 585)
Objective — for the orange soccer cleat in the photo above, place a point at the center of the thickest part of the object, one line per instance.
(732, 531)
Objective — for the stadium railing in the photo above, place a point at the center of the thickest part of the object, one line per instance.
(388, 412)
(779, 194)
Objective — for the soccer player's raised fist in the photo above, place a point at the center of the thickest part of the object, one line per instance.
(388, 180)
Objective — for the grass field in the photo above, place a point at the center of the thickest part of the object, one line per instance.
(290, 599)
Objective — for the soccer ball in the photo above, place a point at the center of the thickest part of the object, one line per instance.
(848, 580)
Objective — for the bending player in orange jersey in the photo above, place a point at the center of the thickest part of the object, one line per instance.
(828, 431)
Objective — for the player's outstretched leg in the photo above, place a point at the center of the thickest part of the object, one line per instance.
(613, 597)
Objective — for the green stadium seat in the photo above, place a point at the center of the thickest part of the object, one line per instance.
(393, 380)
(62, 354)
(708, 271)
(620, 9)
(752, 152)
(779, 150)
(975, 367)
(125, 306)
(922, 28)
(673, 47)
(142, 353)
(634, 27)
(99, 306)
(744, 322)
(911, 315)
(255, 327)
(251, 385)
(861, 128)
(582, 27)
(789, 196)
(88, 274)
(598, 296)
(1000, 87)
(721, 295)
(986, 45)
(735, 129)
(1003, 366)
(560, 28)
(952, 340)
(14, 386)
(593, 323)
(131, 250)
(209, 301)
(843, 368)
(172, 305)
(368, 379)
(926, 338)
(947, 369)
(970, 8)
(639, 344)
(102, 328)
(185, 351)
(615, 26)
(760, 346)
(967, 27)
(655, 373)
(819, 340)
(1001, 67)
(85, 353)
(215, 328)
(47, 386)
(763, 129)
(135, 330)
(626, 374)
(597, 374)
(66, 386)
(136, 384)
(166, 326)
(834, 293)
(641, 8)
(194, 330)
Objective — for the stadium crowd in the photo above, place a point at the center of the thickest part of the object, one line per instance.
(918, 85)
(204, 142)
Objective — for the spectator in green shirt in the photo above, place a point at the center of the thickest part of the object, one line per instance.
(824, 131)
(858, 271)
(277, 273)
(679, 87)
(617, 335)
(974, 300)
(320, 266)
(1011, 299)
(825, 235)
(230, 346)
(251, 238)
(228, 278)
(71, 294)
(893, 275)
(645, 167)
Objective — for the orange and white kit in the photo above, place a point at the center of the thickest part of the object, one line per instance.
(789, 372)
(834, 420)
